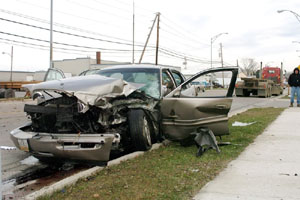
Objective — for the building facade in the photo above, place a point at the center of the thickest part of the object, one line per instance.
(22, 76)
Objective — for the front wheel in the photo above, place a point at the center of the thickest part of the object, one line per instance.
(140, 130)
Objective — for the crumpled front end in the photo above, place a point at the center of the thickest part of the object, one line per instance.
(81, 127)
(94, 148)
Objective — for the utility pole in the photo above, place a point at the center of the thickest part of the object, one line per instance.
(185, 63)
(157, 38)
(222, 64)
(221, 54)
(211, 43)
(148, 38)
(11, 63)
(260, 71)
(51, 34)
(133, 36)
(281, 72)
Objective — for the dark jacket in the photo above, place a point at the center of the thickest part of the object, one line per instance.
(294, 79)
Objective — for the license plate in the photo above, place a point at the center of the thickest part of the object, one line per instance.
(23, 145)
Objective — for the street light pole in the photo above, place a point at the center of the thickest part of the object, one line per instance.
(51, 34)
(133, 23)
(295, 14)
(211, 43)
(11, 62)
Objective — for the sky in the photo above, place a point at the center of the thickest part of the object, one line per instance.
(255, 30)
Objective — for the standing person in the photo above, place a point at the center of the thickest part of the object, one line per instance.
(294, 82)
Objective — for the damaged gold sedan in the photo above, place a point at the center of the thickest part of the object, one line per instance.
(121, 109)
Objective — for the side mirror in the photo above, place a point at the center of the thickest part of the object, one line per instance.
(39, 97)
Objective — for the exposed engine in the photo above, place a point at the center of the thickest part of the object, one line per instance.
(65, 115)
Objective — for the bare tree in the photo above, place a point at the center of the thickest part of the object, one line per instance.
(249, 66)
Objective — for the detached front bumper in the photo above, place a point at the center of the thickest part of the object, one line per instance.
(93, 148)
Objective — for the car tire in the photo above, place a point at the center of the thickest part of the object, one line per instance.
(246, 93)
(140, 130)
(9, 93)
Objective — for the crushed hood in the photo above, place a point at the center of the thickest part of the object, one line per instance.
(91, 90)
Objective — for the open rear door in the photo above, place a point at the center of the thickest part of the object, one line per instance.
(204, 100)
(54, 74)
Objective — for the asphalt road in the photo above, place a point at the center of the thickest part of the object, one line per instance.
(253, 102)
(11, 116)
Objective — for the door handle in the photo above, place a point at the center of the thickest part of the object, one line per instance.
(221, 106)
(173, 117)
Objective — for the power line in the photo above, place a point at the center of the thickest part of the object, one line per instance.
(121, 9)
(39, 48)
(180, 35)
(67, 33)
(64, 50)
(65, 44)
(128, 4)
(45, 46)
(114, 7)
(84, 18)
(147, 10)
(185, 56)
(72, 15)
(176, 41)
(96, 9)
(86, 37)
(59, 25)
(190, 33)
(72, 28)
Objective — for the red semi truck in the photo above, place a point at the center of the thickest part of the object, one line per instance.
(272, 73)
(269, 84)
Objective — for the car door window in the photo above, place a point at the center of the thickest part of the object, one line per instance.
(167, 83)
(178, 77)
(214, 84)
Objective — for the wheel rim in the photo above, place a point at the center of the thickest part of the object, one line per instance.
(146, 132)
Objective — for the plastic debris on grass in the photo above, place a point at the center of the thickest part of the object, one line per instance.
(236, 123)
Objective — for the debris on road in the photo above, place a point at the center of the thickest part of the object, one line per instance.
(7, 148)
(30, 161)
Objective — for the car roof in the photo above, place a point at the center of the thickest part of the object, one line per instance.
(140, 66)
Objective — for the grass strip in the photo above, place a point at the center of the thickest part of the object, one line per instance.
(171, 172)
(288, 97)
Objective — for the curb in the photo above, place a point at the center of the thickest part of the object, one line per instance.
(241, 110)
(71, 180)
(3, 100)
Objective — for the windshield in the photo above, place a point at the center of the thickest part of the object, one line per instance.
(149, 77)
